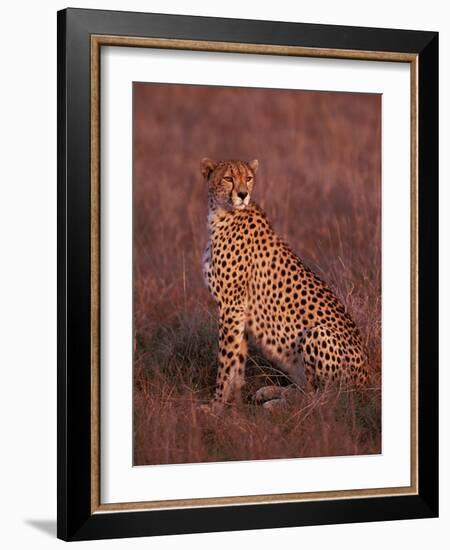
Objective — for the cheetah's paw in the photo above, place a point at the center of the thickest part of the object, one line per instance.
(275, 406)
(268, 393)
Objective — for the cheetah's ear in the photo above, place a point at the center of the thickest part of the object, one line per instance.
(253, 165)
(207, 166)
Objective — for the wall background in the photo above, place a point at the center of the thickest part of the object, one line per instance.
(28, 274)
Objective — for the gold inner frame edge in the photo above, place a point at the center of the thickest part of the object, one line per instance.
(232, 47)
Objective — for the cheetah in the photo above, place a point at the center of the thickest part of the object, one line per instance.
(265, 292)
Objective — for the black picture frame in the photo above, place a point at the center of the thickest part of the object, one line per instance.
(76, 521)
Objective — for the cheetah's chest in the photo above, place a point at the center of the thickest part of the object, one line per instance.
(207, 266)
(225, 260)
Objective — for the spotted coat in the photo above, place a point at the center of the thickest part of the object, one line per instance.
(263, 290)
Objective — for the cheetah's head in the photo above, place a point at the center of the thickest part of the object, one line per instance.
(230, 182)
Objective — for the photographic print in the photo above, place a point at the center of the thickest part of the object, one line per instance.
(247, 266)
(256, 273)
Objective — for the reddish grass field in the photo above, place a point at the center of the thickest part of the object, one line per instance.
(319, 182)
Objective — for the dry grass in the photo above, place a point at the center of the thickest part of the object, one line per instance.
(319, 183)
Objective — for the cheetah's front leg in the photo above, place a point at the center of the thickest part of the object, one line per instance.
(232, 355)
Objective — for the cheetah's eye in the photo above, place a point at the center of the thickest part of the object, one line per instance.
(228, 179)
(249, 178)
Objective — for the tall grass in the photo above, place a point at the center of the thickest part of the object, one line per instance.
(319, 183)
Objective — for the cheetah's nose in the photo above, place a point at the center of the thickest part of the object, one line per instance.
(242, 194)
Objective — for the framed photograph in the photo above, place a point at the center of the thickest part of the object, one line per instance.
(247, 256)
